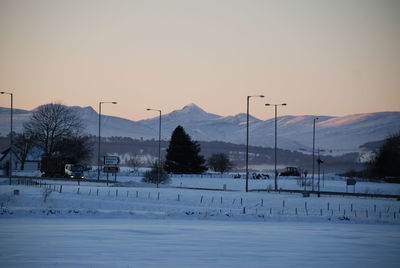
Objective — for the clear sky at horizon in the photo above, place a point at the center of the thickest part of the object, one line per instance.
(321, 57)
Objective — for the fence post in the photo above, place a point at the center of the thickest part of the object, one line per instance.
(60, 188)
(201, 199)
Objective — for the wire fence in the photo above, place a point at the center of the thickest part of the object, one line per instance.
(219, 204)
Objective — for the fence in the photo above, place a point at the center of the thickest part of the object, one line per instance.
(230, 206)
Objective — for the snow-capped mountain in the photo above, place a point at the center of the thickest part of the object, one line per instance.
(334, 135)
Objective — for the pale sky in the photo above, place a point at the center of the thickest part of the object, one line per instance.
(333, 57)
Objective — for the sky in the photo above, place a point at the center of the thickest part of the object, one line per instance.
(320, 57)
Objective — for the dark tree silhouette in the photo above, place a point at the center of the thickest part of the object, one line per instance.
(183, 154)
(75, 150)
(387, 159)
(219, 162)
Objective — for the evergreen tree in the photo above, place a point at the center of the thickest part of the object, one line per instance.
(183, 154)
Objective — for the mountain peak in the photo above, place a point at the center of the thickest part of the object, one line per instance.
(190, 113)
(192, 107)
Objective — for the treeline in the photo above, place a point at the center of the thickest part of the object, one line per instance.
(136, 148)
(385, 164)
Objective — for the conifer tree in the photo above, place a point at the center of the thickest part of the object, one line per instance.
(183, 154)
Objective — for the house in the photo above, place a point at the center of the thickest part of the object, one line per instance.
(32, 161)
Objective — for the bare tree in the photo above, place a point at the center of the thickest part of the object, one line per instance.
(51, 123)
(219, 162)
(134, 162)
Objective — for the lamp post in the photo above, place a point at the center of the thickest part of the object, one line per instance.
(98, 151)
(313, 154)
(11, 133)
(247, 141)
(320, 161)
(276, 138)
(159, 145)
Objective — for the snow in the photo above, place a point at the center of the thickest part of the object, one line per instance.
(180, 243)
(135, 224)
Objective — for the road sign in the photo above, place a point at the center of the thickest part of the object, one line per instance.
(111, 160)
(351, 182)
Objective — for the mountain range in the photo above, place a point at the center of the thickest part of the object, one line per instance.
(334, 134)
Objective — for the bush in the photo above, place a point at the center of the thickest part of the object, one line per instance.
(219, 162)
(151, 176)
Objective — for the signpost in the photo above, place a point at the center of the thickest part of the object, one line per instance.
(111, 165)
(353, 182)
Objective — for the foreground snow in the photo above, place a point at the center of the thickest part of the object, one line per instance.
(85, 242)
(133, 224)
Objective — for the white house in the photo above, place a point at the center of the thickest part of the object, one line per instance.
(32, 162)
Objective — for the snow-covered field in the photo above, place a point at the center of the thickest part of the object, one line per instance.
(133, 224)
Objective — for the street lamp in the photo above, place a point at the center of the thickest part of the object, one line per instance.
(276, 141)
(247, 141)
(11, 133)
(159, 145)
(98, 151)
(313, 154)
(319, 161)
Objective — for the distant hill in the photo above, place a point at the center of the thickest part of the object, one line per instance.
(334, 135)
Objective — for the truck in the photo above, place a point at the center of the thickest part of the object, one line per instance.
(52, 166)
